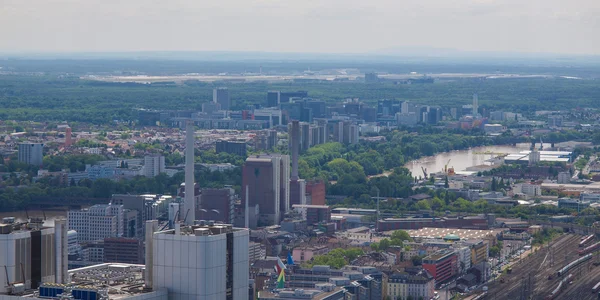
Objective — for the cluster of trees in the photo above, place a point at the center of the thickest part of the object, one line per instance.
(71, 162)
(545, 235)
(443, 201)
(495, 250)
(347, 168)
(17, 198)
(336, 258)
(396, 239)
(53, 163)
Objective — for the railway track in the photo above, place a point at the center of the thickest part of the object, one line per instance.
(529, 279)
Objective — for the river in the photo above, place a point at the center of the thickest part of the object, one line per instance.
(460, 160)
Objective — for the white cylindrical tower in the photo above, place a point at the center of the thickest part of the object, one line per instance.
(190, 205)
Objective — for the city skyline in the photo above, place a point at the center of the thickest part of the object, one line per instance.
(381, 27)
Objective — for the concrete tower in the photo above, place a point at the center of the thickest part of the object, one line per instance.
(295, 136)
(190, 205)
(297, 189)
(475, 105)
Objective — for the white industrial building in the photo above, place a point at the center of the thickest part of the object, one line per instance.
(198, 262)
(538, 156)
(31, 254)
(493, 128)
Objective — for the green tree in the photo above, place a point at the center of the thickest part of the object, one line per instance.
(423, 205)
(398, 237)
(384, 244)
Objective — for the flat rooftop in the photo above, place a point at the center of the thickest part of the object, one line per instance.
(290, 293)
(440, 233)
(114, 280)
(202, 230)
(310, 206)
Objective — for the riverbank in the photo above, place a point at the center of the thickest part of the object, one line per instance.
(461, 160)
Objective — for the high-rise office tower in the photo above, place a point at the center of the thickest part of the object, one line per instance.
(297, 186)
(295, 145)
(97, 222)
(304, 136)
(31, 153)
(273, 98)
(154, 165)
(221, 96)
(267, 179)
(405, 108)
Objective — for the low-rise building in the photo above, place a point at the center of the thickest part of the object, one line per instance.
(493, 128)
(305, 253)
(327, 292)
(123, 250)
(415, 283)
(564, 177)
(313, 213)
(575, 204)
(531, 190)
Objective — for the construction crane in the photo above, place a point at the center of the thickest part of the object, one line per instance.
(446, 166)
(424, 172)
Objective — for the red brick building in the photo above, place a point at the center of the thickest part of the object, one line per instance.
(441, 265)
(316, 192)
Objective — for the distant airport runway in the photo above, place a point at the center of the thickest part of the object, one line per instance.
(283, 78)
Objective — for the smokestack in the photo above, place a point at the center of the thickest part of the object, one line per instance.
(295, 136)
(62, 255)
(475, 105)
(151, 227)
(190, 203)
(246, 212)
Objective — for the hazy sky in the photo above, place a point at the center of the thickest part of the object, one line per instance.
(339, 26)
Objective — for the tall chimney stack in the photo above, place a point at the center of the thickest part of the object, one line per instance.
(151, 227)
(475, 105)
(246, 211)
(61, 245)
(295, 136)
(190, 203)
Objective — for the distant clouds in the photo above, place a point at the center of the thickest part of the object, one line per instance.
(351, 26)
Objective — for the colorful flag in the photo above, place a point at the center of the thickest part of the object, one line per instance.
(279, 266)
(290, 260)
(281, 280)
